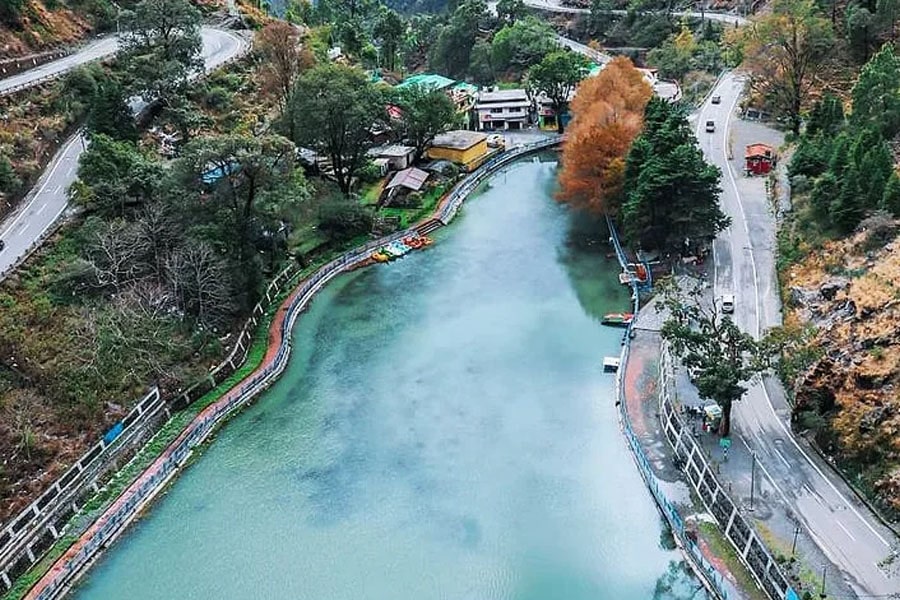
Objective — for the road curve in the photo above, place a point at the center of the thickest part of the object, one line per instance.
(557, 7)
(95, 50)
(744, 260)
(47, 201)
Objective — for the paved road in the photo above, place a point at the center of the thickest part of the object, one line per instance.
(95, 50)
(663, 89)
(848, 534)
(49, 198)
(556, 6)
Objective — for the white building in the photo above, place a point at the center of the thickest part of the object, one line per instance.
(504, 109)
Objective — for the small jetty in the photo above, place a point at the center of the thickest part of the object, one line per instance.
(610, 364)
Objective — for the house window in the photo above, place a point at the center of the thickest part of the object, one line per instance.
(496, 111)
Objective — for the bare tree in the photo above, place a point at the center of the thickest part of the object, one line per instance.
(19, 411)
(283, 58)
(160, 231)
(201, 283)
(117, 253)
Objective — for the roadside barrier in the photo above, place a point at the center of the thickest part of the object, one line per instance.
(142, 491)
(736, 529)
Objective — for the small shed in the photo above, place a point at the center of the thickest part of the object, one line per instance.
(465, 148)
(759, 159)
(411, 178)
(398, 156)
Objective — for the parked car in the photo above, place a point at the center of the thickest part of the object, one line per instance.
(2, 244)
(717, 99)
(496, 141)
(710, 126)
(728, 303)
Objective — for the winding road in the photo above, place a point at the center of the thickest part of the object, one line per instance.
(744, 260)
(48, 200)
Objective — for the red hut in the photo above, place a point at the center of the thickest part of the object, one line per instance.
(760, 159)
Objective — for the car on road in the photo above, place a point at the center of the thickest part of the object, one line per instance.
(710, 126)
(2, 245)
(717, 99)
(728, 303)
(496, 141)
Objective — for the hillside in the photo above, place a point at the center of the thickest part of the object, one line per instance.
(850, 291)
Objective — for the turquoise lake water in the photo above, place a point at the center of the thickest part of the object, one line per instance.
(444, 431)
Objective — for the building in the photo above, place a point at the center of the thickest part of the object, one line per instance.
(547, 114)
(465, 148)
(504, 109)
(759, 159)
(430, 81)
(397, 157)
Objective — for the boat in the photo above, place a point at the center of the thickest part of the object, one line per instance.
(610, 364)
(618, 319)
(381, 257)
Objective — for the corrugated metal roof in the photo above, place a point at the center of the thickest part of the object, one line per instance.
(427, 80)
(411, 178)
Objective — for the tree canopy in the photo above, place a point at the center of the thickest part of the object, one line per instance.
(784, 50)
(876, 95)
(672, 193)
(721, 357)
(607, 113)
(160, 47)
(333, 109)
(283, 58)
(522, 44)
(425, 113)
(557, 76)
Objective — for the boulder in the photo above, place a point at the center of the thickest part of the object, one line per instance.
(830, 288)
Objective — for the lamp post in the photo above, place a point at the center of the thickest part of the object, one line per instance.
(752, 476)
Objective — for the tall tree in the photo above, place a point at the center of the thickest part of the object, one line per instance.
(160, 47)
(557, 76)
(450, 54)
(607, 117)
(876, 95)
(783, 51)
(713, 347)
(389, 29)
(115, 177)
(510, 11)
(672, 192)
(826, 117)
(333, 109)
(238, 173)
(283, 57)
(425, 113)
(522, 44)
(860, 31)
(110, 114)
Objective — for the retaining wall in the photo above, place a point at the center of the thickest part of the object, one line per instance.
(109, 526)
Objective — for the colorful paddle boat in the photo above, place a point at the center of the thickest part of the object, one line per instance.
(618, 319)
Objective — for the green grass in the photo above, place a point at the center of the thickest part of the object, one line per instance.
(409, 216)
(722, 549)
(809, 579)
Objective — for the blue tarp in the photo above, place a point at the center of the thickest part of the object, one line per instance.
(113, 433)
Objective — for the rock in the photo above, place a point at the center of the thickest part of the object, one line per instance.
(802, 297)
(874, 417)
(830, 288)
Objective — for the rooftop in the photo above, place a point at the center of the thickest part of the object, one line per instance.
(518, 95)
(411, 178)
(391, 151)
(459, 139)
(758, 150)
(427, 80)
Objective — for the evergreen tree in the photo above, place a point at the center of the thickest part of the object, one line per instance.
(824, 192)
(846, 211)
(890, 201)
(110, 114)
(876, 95)
(840, 156)
(810, 158)
(827, 116)
(878, 165)
(672, 197)
(9, 182)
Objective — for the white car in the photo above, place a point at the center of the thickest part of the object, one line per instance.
(728, 303)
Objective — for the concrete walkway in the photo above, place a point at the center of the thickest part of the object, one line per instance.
(641, 387)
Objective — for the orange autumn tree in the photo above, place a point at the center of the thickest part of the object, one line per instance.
(608, 113)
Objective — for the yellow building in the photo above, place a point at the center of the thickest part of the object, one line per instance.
(465, 148)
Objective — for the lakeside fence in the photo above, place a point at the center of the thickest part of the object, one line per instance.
(143, 490)
(713, 579)
(701, 475)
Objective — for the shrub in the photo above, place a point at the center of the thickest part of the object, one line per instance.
(342, 219)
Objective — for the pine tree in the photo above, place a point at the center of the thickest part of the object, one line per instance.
(824, 192)
(110, 114)
(846, 211)
(876, 101)
(890, 201)
(840, 156)
(827, 116)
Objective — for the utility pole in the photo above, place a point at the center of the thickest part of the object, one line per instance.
(822, 591)
(794, 544)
